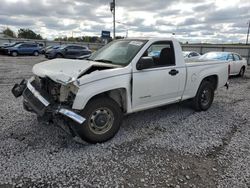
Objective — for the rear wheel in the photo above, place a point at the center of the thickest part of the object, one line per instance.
(14, 54)
(204, 97)
(242, 72)
(35, 53)
(103, 119)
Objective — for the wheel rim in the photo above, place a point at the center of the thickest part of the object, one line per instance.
(101, 120)
(205, 97)
(36, 54)
(14, 54)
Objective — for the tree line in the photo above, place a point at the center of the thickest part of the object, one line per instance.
(29, 34)
(22, 33)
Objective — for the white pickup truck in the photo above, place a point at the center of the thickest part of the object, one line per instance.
(125, 76)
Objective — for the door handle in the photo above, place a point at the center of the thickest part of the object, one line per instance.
(173, 72)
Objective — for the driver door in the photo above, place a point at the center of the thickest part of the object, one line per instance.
(70, 52)
(159, 84)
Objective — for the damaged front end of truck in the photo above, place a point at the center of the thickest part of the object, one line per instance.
(48, 99)
(51, 92)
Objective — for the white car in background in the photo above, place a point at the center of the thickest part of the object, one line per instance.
(190, 54)
(238, 65)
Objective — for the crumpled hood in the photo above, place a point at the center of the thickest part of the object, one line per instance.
(65, 71)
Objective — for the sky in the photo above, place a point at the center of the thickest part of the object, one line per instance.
(215, 21)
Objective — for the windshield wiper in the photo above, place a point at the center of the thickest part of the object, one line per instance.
(103, 61)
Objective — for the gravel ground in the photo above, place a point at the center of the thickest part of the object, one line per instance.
(163, 147)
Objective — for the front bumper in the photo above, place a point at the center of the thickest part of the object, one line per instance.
(41, 103)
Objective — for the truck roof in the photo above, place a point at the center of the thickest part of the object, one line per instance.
(150, 38)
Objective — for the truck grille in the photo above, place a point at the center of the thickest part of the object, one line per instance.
(51, 87)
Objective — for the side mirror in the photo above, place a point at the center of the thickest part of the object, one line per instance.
(145, 63)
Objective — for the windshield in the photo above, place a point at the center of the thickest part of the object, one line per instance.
(119, 52)
(215, 56)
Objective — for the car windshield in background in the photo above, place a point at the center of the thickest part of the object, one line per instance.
(119, 52)
(17, 45)
(215, 56)
(55, 47)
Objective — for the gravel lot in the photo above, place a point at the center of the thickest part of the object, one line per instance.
(163, 147)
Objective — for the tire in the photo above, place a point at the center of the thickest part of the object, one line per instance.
(242, 72)
(36, 53)
(14, 53)
(204, 97)
(59, 56)
(103, 120)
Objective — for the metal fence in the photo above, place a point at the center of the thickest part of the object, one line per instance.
(243, 50)
(92, 46)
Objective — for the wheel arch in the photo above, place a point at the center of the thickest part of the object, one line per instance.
(119, 95)
(35, 51)
(14, 51)
(213, 79)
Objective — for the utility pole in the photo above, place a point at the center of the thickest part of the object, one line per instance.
(112, 9)
(248, 32)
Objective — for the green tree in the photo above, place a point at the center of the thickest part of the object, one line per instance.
(28, 34)
(9, 32)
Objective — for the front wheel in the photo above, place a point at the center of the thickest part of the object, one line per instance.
(103, 119)
(204, 97)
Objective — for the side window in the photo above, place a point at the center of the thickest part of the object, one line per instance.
(70, 47)
(23, 46)
(79, 48)
(195, 54)
(162, 53)
(192, 54)
(236, 57)
(29, 45)
(230, 57)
